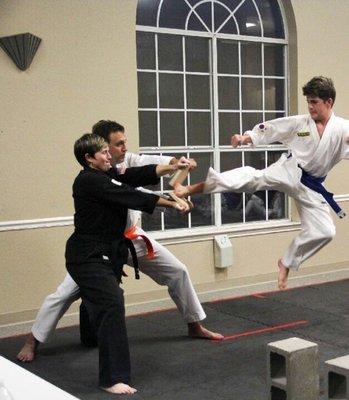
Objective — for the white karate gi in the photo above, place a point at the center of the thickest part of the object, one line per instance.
(316, 156)
(164, 269)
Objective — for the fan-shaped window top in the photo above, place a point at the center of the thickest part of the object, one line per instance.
(242, 17)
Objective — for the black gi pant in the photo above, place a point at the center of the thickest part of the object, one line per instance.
(104, 302)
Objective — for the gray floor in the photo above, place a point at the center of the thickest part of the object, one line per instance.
(167, 365)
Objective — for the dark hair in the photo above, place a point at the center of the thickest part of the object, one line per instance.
(321, 87)
(88, 144)
(105, 127)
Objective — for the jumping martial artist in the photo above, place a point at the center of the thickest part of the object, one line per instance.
(318, 141)
(164, 268)
(98, 249)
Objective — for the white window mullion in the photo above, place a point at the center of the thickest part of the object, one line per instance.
(240, 83)
(266, 192)
(185, 93)
(215, 117)
(243, 194)
(158, 117)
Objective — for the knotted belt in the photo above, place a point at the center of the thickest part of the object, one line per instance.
(131, 234)
(132, 249)
(314, 183)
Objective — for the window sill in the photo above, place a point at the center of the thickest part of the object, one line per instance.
(176, 236)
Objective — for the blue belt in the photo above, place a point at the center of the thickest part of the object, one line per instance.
(315, 184)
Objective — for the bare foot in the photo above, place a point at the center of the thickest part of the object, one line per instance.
(283, 274)
(120, 388)
(27, 353)
(196, 330)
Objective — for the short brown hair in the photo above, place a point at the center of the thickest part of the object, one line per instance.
(321, 87)
(88, 144)
(105, 128)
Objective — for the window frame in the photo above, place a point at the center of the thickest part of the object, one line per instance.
(216, 149)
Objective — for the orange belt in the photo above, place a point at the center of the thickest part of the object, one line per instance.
(132, 234)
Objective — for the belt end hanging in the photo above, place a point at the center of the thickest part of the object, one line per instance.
(341, 214)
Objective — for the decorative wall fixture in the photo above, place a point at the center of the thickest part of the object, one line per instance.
(21, 48)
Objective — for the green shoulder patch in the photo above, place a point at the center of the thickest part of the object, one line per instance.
(303, 134)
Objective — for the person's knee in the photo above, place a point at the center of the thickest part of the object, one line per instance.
(63, 294)
(328, 232)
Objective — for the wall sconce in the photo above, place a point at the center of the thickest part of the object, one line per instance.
(21, 48)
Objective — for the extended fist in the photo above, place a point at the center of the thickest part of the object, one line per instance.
(240, 140)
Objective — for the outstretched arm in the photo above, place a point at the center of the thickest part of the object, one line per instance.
(240, 140)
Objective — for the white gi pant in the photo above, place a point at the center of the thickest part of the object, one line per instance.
(164, 269)
(317, 227)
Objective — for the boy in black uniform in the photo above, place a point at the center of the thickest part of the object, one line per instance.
(97, 250)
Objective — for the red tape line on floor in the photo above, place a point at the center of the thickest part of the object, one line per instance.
(264, 330)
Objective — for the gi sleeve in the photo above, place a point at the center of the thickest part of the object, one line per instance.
(106, 189)
(139, 176)
(277, 130)
(345, 142)
(136, 160)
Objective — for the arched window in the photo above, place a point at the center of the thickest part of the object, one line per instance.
(207, 69)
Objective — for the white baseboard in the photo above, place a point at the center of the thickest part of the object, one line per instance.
(204, 296)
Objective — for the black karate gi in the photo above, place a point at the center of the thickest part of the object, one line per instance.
(96, 253)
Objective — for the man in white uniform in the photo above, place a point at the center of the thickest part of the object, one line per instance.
(164, 268)
(317, 142)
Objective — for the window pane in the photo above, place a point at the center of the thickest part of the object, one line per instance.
(251, 59)
(170, 52)
(251, 94)
(175, 220)
(145, 50)
(276, 205)
(228, 93)
(152, 222)
(199, 128)
(204, 160)
(173, 14)
(274, 94)
(231, 160)
(171, 91)
(197, 54)
(203, 211)
(148, 136)
(172, 128)
(198, 91)
(255, 206)
(205, 13)
(255, 159)
(270, 116)
(147, 12)
(146, 90)
(271, 17)
(227, 57)
(273, 156)
(249, 120)
(273, 60)
(248, 19)
(229, 124)
(223, 22)
(232, 208)
(194, 24)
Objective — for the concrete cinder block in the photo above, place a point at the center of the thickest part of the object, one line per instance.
(337, 378)
(293, 370)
